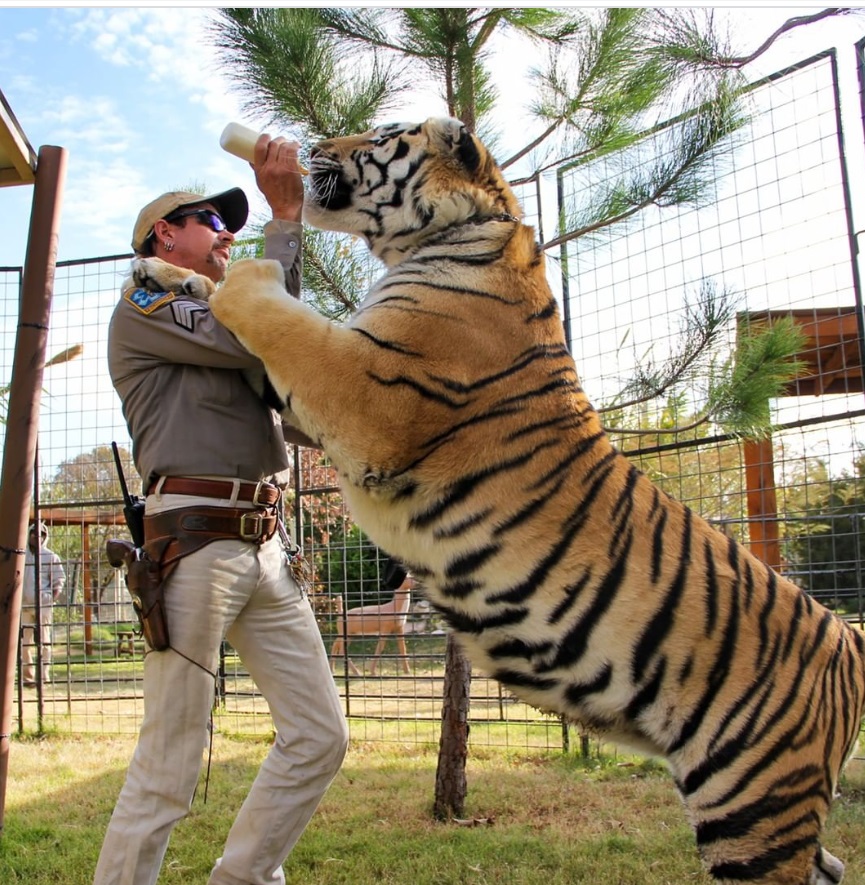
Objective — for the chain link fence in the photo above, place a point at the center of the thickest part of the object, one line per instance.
(779, 232)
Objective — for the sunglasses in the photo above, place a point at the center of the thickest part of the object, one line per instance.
(204, 216)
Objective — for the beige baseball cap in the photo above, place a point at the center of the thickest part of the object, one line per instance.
(232, 205)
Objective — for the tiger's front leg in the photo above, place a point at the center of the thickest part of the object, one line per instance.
(738, 846)
(156, 275)
(314, 365)
(280, 330)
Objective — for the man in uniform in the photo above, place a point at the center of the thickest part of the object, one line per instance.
(212, 458)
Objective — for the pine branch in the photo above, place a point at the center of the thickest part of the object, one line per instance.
(789, 25)
(361, 26)
(679, 429)
(335, 272)
(545, 26)
(682, 179)
(534, 143)
(762, 366)
(488, 25)
(286, 63)
(764, 363)
(701, 329)
(602, 85)
(327, 283)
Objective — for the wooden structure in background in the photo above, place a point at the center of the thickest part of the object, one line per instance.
(832, 360)
(70, 517)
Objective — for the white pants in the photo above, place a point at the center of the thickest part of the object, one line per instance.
(245, 593)
(28, 639)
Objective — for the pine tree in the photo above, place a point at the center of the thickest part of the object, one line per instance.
(607, 77)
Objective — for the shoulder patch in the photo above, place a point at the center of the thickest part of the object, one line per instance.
(184, 313)
(146, 302)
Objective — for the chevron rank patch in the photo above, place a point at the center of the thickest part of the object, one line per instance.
(184, 314)
(145, 301)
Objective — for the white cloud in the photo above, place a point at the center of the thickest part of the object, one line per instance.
(100, 201)
(25, 83)
(101, 184)
(172, 48)
(92, 123)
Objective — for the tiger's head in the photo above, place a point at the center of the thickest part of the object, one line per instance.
(397, 184)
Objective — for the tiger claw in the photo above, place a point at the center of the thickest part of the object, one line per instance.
(198, 286)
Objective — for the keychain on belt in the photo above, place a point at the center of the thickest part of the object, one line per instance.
(300, 569)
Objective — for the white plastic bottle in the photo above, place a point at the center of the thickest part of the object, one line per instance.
(240, 141)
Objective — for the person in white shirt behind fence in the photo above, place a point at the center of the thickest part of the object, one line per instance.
(51, 578)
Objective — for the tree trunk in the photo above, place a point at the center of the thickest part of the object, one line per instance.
(451, 787)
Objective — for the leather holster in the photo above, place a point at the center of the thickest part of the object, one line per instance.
(145, 582)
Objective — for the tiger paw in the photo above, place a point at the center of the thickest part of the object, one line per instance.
(252, 287)
(826, 870)
(259, 272)
(198, 286)
(156, 275)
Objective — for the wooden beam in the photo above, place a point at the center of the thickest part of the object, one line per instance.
(22, 420)
(762, 501)
(20, 167)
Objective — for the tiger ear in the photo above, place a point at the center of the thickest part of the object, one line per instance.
(458, 140)
(467, 151)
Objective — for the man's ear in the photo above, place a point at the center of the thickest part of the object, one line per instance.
(161, 228)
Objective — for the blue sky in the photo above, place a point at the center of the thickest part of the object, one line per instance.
(136, 97)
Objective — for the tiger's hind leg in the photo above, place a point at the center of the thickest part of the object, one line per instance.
(764, 869)
(771, 838)
(768, 858)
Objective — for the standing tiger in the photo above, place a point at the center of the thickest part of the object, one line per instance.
(466, 447)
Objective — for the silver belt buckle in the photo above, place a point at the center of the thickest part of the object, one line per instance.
(256, 532)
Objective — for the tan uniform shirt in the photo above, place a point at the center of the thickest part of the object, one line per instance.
(178, 373)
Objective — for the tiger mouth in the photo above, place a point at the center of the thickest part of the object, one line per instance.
(328, 186)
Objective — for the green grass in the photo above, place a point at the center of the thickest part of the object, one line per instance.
(538, 817)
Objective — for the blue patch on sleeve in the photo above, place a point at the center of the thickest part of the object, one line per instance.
(145, 301)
